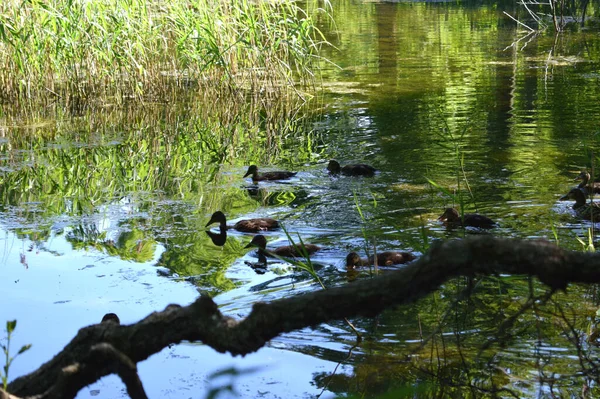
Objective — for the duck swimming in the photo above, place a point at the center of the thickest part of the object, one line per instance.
(583, 209)
(246, 225)
(260, 242)
(359, 169)
(277, 175)
(386, 258)
(451, 218)
(586, 185)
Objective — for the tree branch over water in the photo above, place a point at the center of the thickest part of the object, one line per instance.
(202, 321)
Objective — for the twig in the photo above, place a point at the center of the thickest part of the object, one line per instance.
(519, 22)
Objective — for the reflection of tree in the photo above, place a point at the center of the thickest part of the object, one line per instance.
(268, 197)
(197, 257)
(132, 244)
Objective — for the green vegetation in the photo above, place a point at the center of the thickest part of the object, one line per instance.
(138, 183)
(85, 50)
(10, 328)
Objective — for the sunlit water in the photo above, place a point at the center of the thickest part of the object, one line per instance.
(411, 75)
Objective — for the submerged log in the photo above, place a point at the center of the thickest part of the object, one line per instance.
(108, 348)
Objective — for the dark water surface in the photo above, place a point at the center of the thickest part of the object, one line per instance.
(104, 211)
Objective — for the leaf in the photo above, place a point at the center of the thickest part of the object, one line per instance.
(442, 189)
(10, 326)
(24, 348)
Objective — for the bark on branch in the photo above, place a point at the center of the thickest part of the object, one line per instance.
(202, 320)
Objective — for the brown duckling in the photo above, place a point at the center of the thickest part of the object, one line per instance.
(246, 225)
(583, 209)
(452, 218)
(260, 242)
(277, 175)
(111, 318)
(586, 185)
(359, 169)
(386, 258)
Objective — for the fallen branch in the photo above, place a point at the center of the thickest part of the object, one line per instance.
(202, 320)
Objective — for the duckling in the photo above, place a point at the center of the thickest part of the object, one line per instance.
(277, 175)
(111, 318)
(260, 242)
(452, 218)
(386, 258)
(359, 169)
(584, 210)
(246, 225)
(586, 185)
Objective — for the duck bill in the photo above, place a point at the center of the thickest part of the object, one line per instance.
(442, 218)
(564, 197)
(250, 245)
(247, 174)
(211, 221)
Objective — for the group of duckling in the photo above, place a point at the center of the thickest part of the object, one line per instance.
(450, 218)
(586, 189)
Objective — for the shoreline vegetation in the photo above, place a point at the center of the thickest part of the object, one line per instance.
(118, 50)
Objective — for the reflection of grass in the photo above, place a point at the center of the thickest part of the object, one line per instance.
(194, 255)
(181, 159)
(132, 245)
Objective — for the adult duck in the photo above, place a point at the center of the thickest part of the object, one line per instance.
(277, 175)
(260, 242)
(359, 169)
(451, 218)
(583, 209)
(386, 258)
(246, 225)
(586, 185)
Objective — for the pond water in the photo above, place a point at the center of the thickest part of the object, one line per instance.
(104, 211)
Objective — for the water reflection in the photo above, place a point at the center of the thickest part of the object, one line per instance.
(425, 92)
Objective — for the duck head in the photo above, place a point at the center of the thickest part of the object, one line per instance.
(217, 217)
(352, 260)
(111, 318)
(333, 167)
(252, 170)
(450, 214)
(584, 175)
(259, 241)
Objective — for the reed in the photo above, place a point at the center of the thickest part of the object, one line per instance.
(83, 50)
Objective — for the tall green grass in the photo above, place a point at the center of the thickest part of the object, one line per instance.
(86, 49)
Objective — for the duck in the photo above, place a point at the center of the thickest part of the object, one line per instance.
(277, 175)
(452, 218)
(246, 225)
(583, 209)
(386, 258)
(359, 169)
(260, 242)
(111, 318)
(586, 185)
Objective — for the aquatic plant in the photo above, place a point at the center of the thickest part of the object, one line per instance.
(80, 50)
(10, 328)
(454, 143)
